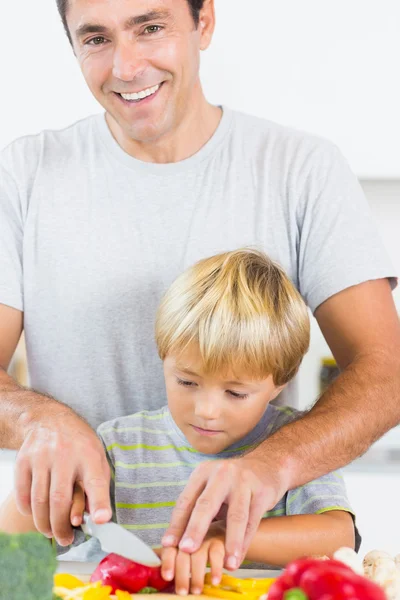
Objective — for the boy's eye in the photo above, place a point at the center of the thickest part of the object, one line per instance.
(236, 394)
(186, 383)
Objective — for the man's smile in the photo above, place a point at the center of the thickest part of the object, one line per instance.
(135, 97)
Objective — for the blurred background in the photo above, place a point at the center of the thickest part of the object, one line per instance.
(327, 67)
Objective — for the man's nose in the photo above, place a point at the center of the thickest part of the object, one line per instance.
(207, 408)
(128, 61)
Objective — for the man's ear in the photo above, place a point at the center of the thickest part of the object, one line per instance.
(206, 23)
(277, 391)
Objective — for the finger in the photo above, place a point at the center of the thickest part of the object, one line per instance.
(78, 504)
(236, 524)
(182, 573)
(183, 508)
(23, 485)
(96, 482)
(40, 502)
(259, 505)
(204, 511)
(61, 489)
(168, 558)
(198, 569)
(216, 557)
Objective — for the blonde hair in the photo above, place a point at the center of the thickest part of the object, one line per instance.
(242, 312)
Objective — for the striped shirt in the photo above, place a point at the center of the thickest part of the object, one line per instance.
(151, 462)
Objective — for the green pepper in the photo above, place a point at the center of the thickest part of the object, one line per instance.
(295, 594)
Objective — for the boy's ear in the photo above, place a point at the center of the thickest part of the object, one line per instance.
(277, 391)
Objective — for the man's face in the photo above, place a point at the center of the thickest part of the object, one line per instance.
(140, 59)
(213, 412)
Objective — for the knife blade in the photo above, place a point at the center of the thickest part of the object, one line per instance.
(114, 538)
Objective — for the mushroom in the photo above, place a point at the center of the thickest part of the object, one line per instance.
(392, 587)
(397, 561)
(379, 566)
(350, 558)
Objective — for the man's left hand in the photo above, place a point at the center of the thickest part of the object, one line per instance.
(249, 486)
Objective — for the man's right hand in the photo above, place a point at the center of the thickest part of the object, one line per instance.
(59, 449)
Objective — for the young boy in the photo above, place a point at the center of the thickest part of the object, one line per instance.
(231, 331)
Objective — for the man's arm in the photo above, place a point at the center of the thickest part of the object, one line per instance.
(56, 448)
(362, 328)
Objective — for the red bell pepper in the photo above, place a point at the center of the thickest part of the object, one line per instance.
(330, 580)
(290, 578)
(296, 568)
(325, 580)
(123, 574)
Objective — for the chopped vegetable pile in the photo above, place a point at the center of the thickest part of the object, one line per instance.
(27, 565)
(233, 588)
(123, 574)
(71, 588)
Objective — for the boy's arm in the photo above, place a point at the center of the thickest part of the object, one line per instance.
(279, 540)
(11, 520)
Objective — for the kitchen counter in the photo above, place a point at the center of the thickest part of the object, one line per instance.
(84, 570)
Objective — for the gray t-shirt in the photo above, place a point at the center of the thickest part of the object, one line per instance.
(90, 239)
(151, 461)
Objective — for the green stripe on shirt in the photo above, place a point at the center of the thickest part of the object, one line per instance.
(123, 465)
(153, 484)
(146, 505)
(147, 526)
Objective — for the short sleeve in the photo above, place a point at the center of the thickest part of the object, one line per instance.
(322, 495)
(339, 244)
(11, 243)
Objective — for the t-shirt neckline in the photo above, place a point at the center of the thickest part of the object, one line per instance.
(164, 168)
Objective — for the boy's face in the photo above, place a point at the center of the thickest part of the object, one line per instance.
(213, 412)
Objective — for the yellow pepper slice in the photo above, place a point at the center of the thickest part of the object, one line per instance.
(219, 592)
(65, 580)
(243, 585)
(100, 593)
(123, 595)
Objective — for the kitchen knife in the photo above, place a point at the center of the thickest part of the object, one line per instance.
(114, 538)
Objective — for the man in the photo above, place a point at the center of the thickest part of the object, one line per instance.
(98, 219)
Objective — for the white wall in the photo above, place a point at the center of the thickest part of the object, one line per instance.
(384, 198)
(328, 67)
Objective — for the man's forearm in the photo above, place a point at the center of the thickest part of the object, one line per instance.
(18, 406)
(280, 540)
(360, 406)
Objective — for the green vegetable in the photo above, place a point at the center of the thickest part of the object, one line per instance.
(295, 594)
(148, 590)
(27, 566)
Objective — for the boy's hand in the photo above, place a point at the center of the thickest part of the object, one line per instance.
(78, 504)
(189, 569)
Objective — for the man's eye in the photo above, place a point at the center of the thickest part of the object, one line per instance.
(152, 29)
(96, 41)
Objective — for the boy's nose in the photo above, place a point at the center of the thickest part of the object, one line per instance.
(207, 408)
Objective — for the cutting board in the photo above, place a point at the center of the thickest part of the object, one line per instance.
(84, 570)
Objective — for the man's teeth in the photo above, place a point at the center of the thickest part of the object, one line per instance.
(142, 94)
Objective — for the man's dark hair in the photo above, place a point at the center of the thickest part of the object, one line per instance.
(194, 5)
